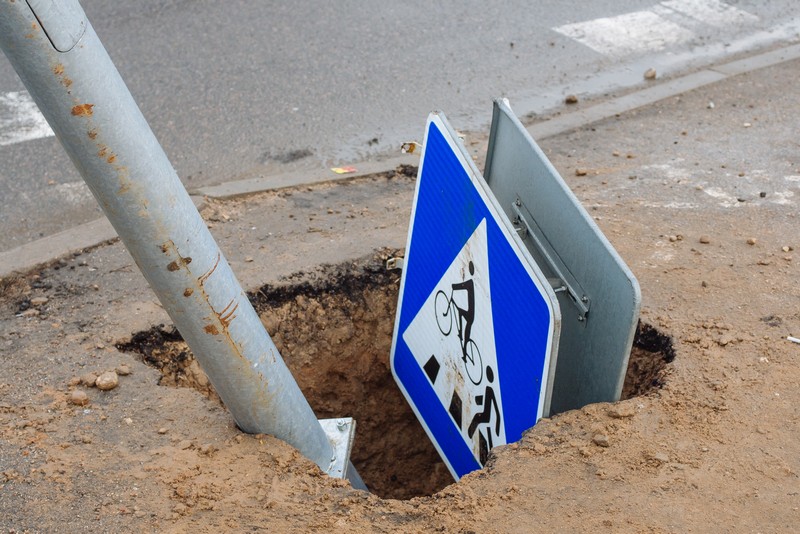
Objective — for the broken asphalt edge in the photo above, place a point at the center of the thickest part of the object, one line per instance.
(95, 233)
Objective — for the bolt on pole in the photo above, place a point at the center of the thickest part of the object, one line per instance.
(70, 76)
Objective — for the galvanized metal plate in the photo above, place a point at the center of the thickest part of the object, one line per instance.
(598, 295)
(340, 432)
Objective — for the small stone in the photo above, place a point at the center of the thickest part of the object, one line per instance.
(650, 74)
(751, 241)
(123, 369)
(622, 411)
(601, 440)
(30, 312)
(704, 239)
(248, 259)
(107, 381)
(74, 381)
(78, 398)
(787, 249)
(163, 430)
(710, 105)
(185, 444)
(581, 172)
(86, 439)
(128, 421)
(615, 153)
(747, 125)
(89, 379)
(39, 301)
(704, 284)
(763, 194)
(673, 238)
(571, 99)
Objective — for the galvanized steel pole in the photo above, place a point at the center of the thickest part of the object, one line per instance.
(66, 69)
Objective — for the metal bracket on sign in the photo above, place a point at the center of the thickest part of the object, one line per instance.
(563, 280)
(341, 432)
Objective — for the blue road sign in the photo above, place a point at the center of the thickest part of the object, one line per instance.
(477, 324)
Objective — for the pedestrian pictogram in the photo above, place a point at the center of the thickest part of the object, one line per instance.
(473, 349)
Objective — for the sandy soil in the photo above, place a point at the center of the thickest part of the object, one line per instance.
(713, 449)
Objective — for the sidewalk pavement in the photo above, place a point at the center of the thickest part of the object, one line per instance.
(697, 190)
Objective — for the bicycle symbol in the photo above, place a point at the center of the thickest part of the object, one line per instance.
(447, 311)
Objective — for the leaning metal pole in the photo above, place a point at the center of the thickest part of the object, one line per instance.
(71, 78)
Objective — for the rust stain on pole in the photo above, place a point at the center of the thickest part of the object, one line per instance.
(203, 278)
(82, 110)
(227, 315)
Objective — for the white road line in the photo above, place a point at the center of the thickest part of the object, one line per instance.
(711, 12)
(653, 30)
(20, 119)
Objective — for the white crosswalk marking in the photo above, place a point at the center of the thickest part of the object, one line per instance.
(711, 12)
(639, 31)
(20, 119)
(667, 23)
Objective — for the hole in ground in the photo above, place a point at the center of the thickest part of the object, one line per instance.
(334, 329)
(647, 368)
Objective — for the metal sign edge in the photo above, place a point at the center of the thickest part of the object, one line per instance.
(501, 105)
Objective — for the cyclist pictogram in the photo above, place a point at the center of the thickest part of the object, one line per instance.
(448, 312)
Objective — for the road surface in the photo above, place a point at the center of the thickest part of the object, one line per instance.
(239, 89)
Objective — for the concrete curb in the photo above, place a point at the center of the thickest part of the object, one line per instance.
(28, 256)
(47, 249)
(260, 184)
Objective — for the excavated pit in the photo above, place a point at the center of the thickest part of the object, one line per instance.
(334, 330)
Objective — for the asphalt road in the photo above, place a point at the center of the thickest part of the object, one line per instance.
(236, 89)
